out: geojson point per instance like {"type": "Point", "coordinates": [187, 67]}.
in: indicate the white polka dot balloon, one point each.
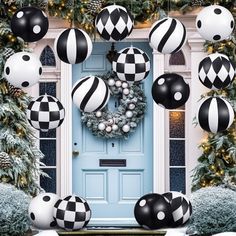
{"type": "Point", "coordinates": [215, 23]}
{"type": "Point", "coordinates": [41, 210]}
{"type": "Point", "coordinates": [30, 24]}
{"type": "Point", "coordinates": [170, 91]}
{"type": "Point", "coordinates": [23, 69]}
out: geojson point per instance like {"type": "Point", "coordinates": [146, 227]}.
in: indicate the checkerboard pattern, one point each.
{"type": "Point", "coordinates": [72, 213]}
{"type": "Point", "coordinates": [131, 64]}
{"type": "Point", "coordinates": [216, 71]}
{"type": "Point", "coordinates": [114, 23]}
{"type": "Point", "coordinates": [46, 112]}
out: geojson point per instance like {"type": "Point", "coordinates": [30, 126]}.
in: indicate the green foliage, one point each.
{"type": "Point", "coordinates": [13, 211]}
{"type": "Point", "coordinates": [214, 211]}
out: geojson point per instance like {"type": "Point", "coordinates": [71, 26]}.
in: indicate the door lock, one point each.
{"type": "Point", "coordinates": [75, 152]}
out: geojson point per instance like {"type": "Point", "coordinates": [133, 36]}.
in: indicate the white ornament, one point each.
{"type": "Point", "coordinates": [98, 114]}
{"type": "Point", "coordinates": [124, 85]}
{"type": "Point", "coordinates": [131, 106]}
{"type": "Point", "coordinates": [111, 82]}
{"type": "Point", "coordinates": [126, 128]}
{"type": "Point", "coordinates": [118, 83]}
{"type": "Point", "coordinates": [23, 69]}
{"type": "Point", "coordinates": [110, 121]}
{"type": "Point", "coordinates": [41, 210]}
{"type": "Point", "coordinates": [108, 129]}
{"type": "Point", "coordinates": [126, 91]}
{"type": "Point", "coordinates": [115, 127]}
{"type": "Point", "coordinates": [215, 23]}
{"type": "Point", "coordinates": [101, 126]}
{"type": "Point", "coordinates": [129, 114]}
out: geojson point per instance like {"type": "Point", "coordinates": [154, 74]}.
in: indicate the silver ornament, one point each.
{"type": "Point", "coordinates": [98, 114]}
{"type": "Point", "coordinates": [111, 82]}
{"type": "Point", "coordinates": [101, 126]}
{"type": "Point", "coordinates": [129, 114]}
{"type": "Point", "coordinates": [126, 128]}
{"type": "Point", "coordinates": [126, 91]}
{"type": "Point", "coordinates": [131, 106]}
{"type": "Point", "coordinates": [115, 127]}
{"type": "Point", "coordinates": [108, 129]}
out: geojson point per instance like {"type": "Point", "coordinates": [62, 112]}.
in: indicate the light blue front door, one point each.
{"type": "Point", "coordinates": [112, 191]}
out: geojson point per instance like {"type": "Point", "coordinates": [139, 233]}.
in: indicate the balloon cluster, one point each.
{"type": "Point", "coordinates": [155, 211]}
{"type": "Point", "coordinates": [47, 210]}
{"type": "Point", "coordinates": [215, 71]}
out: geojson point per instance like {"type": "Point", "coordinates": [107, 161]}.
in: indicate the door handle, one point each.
{"type": "Point", "coordinates": [75, 152]}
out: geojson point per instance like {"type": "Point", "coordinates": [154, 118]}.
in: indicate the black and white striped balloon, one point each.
{"type": "Point", "coordinates": [90, 94]}
{"type": "Point", "coordinates": [167, 35]}
{"type": "Point", "coordinates": [73, 46]}
{"type": "Point", "coordinates": [215, 114]}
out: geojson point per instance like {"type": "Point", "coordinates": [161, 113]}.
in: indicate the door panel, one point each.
{"type": "Point", "coordinates": [112, 191]}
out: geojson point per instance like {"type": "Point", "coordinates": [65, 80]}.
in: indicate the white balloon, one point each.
{"type": "Point", "coordinates": [215, 23]}
{"type": "Point", "coordinates": [23, 69]}
{"type": "Point", "coordinates": [47, 233]}
{"type": "Point", "coordinates": [41, 210]}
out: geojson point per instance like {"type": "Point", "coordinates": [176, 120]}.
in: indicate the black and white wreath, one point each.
{"type": "Point", "coordinates": [123, 121]}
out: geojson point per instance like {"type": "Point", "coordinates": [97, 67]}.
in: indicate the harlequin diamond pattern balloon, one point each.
{"type": "Point", "coordinates": [167, 35]}
{"type": "Point", "coordinates": [114, 23]}
{"type": "Point", "coordinates": [181, 207]}
{"type": "Point", "coordinates": [215, 115]}
{"type": "Point", "coordinates": [216, 71]}
{"type": "Point", "coordinates": [46, 112]}
{"type": "Point", "coordinates": [131, 64]}
{"type": "Point", "coordinates": [215, 23]}
{"type": "Point", "coordinates": [72, 213]}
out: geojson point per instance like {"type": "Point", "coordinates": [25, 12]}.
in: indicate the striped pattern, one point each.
{"type": "Point", "coordinates": [114, 23]}
{"type": "Point", "coordinates": [181, 207]}
{"type": "Point", "coordinates": [90, 94]}
{"type": "Point", "coordinates": [73, 46]}
{"type": "Point", "coordinates": [167, 35]}
{"type": "Point", "coordinates": [215, 115]}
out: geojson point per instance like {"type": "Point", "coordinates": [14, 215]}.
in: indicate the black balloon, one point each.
{"type": "Point", "coordinates": [152, 211]}
{"type": "Point", "coordinates": [30, 24]}
{"type": "Point", "coordinates": [170, 90]}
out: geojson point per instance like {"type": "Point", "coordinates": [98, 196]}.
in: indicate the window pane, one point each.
{"type": "Point", "coordinates": [177, 179]}
{"type": "Point", "coordinates": [177, 124]}
{"type": "Point", "coordinates": [177, 59]}
{"type": "Point", "coordinates": [49, 88]}
{"type": "Point", "coordinates": [49, 134]}
{"type": "Point", "coordinates": [49, 184]}
{"type": "Point", "coordinates": [47, 57]}
{"type": "Point", "coordinates": [48, 148]}
{"type": "Point", "coordinates": [177, 153]}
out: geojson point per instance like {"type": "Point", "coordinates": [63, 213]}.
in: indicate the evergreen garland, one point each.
{"type": "Point", "coordinates": [114, 123]}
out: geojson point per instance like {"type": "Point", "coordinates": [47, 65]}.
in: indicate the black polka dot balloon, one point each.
{"type": "Point", "coordinates": [45, 113]}
{"type": "Point", "coordinates": [73, 46]}
{"type": "Point", "coordinates": [41, 210]}
{"type": "Point", "coordinates": [23, 69]}
{"type": "Point", "coordinates": [152, 211]}
{"type": "Point", "coordinates": [215, 114]}
{"type": "Point", "coordinates": [114, 23]}
{"type": "Point", "coordinates": [30, 24]}
{"type": "Point", "coordinates": [72, 213]}
{"type": "Point", "coordinates": [170, 91]}
{"type": "Point", "coordinates": [167, 35]}
{"type": "Point", "coordinates": [215, 23]}
{"type": "Point", "coordinates": [180, 206]}
{"type": "Point", "coordinates": [216, 71]}
{"type": "Point", "coordinates": [90, 94]}
{"type": "Point", "coordinates": [131, 64]}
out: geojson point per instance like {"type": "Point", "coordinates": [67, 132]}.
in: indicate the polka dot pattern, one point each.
{"type": "Point", "coordinates": [142, 203]}
{"type": "Point", "coordinates": [46, 198]}
{"type": "Point", "coordinates": [161, 215]}
{"type": "Point", "coordinates": [36, 29]}
{"type": "Point", "coordinates": [19, 14]}
{"type": "Point", "coordinates": [178, 96]}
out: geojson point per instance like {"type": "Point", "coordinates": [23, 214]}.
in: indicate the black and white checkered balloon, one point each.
{"type": "Point", "coordinates": [215, 114]}
{"type": "Point", "coordinates": [114, 23]}
{"type": "Point", "coordinates": [72, 213]}
{"type": "Point", "coordinates": [73, 46]}
{"type": "Point", "coordinates": [45, 113]}
{"type": "Point", "coordinates": [181, 207]}
{"type": "Point", "coordinates": [131, 64]}
{"type": "Point", "coordinates": [90, 94]}
{"type": "Point", "coordinates": [167, 35]}
{"type": "Point", "coordinates": [216, 71]}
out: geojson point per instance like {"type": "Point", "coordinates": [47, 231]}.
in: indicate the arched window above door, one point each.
{"type": "Point", "coordinates": [47, 57]}
{"type": "Point", "coordinates": [177, 59]}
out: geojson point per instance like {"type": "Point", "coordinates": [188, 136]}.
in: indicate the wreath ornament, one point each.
{"type": "Point", "coordinates": [123, 121]}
